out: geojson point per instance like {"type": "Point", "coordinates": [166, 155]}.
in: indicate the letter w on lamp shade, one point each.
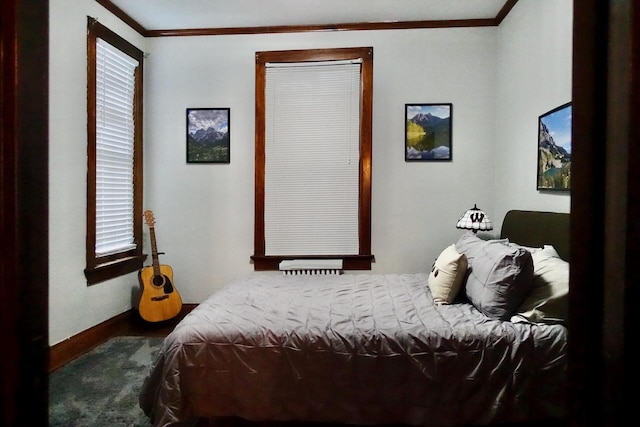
{"type": "Point", "coordinates": [475, 219]}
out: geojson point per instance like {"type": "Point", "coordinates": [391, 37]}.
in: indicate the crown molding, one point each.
{"type": "Point", "coordinates": [358, 26]}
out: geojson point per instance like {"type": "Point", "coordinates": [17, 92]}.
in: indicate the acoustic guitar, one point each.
{"type": "Point", "coordinates": [159, 300]}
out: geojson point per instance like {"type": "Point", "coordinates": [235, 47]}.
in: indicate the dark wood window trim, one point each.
{"type": "Point", "coordinates": [101, 268]}
{"type": "Point", "coordinates": [361, 261]}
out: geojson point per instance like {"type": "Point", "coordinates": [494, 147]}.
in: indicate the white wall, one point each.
{"type": "Point", "coordinates": [74, 306]}
{"type": "Point", "coordinates": [534, 75]}
{"type": "Point", "coordinates": [204, 212]}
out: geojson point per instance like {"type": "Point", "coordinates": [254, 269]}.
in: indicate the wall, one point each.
{"type": "Point", "coordinates": [534, 76]}
{"type": "Point", "coordinates": [74, 306]}
{"type": "Point", "coordinates": [204, 212]}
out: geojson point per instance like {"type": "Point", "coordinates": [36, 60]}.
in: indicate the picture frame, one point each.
{"type": "Point", "coordinates": [427, 132]}
{"type": "Point", "coordinates": [208, 135]}
{"type": "Point", "coordinates": [554, 149]}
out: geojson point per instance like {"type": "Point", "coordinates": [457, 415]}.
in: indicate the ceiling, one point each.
{"type": "Point", "coordinates": [160, 15]}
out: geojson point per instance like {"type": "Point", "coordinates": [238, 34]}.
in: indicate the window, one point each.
{"type": "Point", "coordinates": [114, 171]}
{"type": "Point", "coordinates": [313, 157]}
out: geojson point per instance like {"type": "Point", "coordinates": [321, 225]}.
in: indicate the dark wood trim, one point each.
{"type": "Point", "coordinates": [107, 4]}
{"type": "Point", "coordinates": [127, 323]}
{"type": "Point", "coordinates": [504, 11]}
{"type": "Point", "coordinates": [621, 210]}
{"type": "Point", "coordinates": [259, 248]}
{"type": "Point", "coordinates": [310, 55]}
{"type": "Point", "coordinates": [349, 262]}
{"type": "Point", "coordinates": [589, 94]}
{"type": "Point", "coordinates": [24, 224]}
{"type": "Point", "coordinates": [357, 26]}
{"type": "Point", "coordinates": [629, 369]}
{"type": "Point", "coordinates": [109, 270]}
{"type": "Point", "coordinates": [361, 261]}
{"type": "Point", "coordinates": [349, 26]}
{"type": "Point", "coordinates": [90, 238]}
{"type": "Point", "coordinates": [67, 350]}
{"type": "Point", "coordinates": [366, 150]}
{"type": "Point", "coordinates": [605, 205]}
{"type": "Point", "coordinates": [101, 268]}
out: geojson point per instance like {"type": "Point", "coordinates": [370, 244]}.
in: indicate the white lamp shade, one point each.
{"type": "Point", "coordinates": [475, 219]}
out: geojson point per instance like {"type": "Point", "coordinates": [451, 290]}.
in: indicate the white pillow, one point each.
{"type": "Point", "coordinates": [447, 275]}
{"type": "Point", "coordinates": [531, 249]}
{"type": "Point", "coordinates": [548, 300]}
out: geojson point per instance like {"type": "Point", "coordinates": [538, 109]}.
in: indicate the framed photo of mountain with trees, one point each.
{"type": "Point", "coordinates": [427, 134]}
{"type": "Point", "coordinates": [208, 135]}
{"type": "Point", "coordinates": [554, 149]}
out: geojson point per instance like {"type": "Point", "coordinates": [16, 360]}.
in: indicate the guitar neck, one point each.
{"type": "Point", "coordinates": [154, 252]}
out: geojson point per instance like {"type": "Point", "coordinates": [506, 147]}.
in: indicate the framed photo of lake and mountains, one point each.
{"type": "Point", "coordinates": [427, 134]}
{"type": "Point", "coordinates": [208, 135]}
{"type": "Point", "coordinates": [554, 149]}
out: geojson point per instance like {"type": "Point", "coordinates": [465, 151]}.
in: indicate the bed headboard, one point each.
{"type": "Point", "coordinates": [533, 228]}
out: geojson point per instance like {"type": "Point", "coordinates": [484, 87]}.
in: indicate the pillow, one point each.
{"type": "Point", "coordinates": [500, 275]}
{"type": "Point", "coordinates": [531, 249]}
{"type": "Point", "coordinates": [548, 300]}
{"type": "Point", "coordinates": [447, 275]}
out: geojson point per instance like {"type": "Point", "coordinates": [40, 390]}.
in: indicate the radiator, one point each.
{"type": "Point", "coordinates": [311, 266]}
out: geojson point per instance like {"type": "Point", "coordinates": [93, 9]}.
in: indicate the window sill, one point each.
{"type": "Point", "coordinates": [349, 262]}
{"type": "Point", "coordinates": [113, 269]}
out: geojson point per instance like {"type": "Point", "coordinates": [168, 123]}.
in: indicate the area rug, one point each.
{"type": "Point", "coordinates": [101, 387]}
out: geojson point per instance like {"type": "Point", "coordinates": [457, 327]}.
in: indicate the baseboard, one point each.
{"type": "Point", "coordinates": [77, 345]}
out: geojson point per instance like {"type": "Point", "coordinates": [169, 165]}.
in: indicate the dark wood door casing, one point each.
{"type": "Point", "coordinates": [24, 90]}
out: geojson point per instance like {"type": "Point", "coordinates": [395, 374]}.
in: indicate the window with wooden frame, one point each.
{"type": "Point", "coordinates": [313, 157]}
{"type": "Point", "coordinates": [114, 170]}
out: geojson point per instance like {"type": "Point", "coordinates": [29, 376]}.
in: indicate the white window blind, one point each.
{"type": "Point", "coordinates": [312, 158]}
{"type": "Point", "coordinates": [115, 84]}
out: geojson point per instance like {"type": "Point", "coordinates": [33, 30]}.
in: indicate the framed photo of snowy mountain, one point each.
{"type": "Point", "coordinates": [208, 135]}
{"type": "Point", "coordinates": [427, 132]}
{"type": "Point", "coordinates": [554, 149]}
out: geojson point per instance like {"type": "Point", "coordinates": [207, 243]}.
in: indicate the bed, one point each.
{"type": "Point", "coordinates": [372, 349]}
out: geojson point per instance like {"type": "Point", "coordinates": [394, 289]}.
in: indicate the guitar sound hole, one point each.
{"type": "Point", "coordinates": [158, 280]}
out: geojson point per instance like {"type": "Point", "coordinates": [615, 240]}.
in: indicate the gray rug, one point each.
{"type": "Point", "coordinates": [101, 387]}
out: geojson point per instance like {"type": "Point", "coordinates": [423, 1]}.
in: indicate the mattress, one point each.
{"type": "Point", "coordinates": [354, 348]}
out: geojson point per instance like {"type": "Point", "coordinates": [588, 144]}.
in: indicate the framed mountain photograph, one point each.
{"type": "Point", "coordinates": [427, 135]}
{"type": "Point", "coordinates": [208, 135]}
{"type": "Point", "coordinates": [554, 149]}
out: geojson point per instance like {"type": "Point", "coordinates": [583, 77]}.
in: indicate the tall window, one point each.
{"type": "Point", "coordinates": [114, 173]}
{"type": "Point", "coordinates": [313, 156]}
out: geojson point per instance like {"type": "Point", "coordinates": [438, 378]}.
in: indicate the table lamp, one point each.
{"type": "Point", "coordinates": [475, 219]}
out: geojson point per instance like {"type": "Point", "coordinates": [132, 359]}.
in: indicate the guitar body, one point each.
{"type": "Point", "coordinates": [160, 300]}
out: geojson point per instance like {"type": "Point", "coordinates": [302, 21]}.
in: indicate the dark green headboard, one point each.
{"type": "Point", "coordinates": [533, 228]}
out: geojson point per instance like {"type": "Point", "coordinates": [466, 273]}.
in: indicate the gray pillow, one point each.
{"type": "Point", "coordinates": [500, 275]}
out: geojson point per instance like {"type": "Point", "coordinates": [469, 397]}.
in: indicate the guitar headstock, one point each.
{"type": "Point", "coordinates": [148, 218]}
